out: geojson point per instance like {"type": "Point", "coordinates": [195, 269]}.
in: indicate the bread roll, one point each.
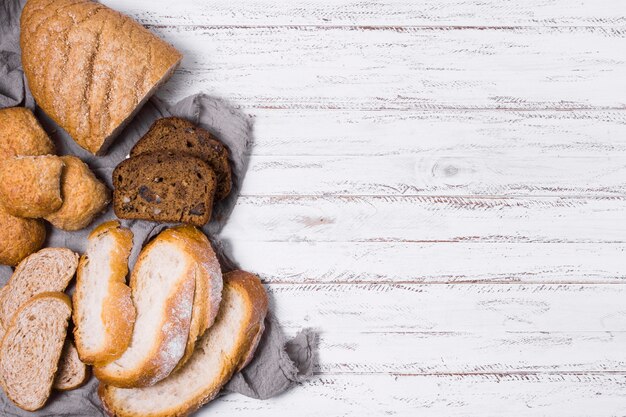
{"type": "Point", "coordinates": [90, 68]}
{"type": "Point", "coordinates": [21, 134]}
{"type": "Point", "coordinates": [30, 186]}
{"type": "Point", "coordinates": [19, 237]}
{"type": "Point", "coordinates": [84, 196]}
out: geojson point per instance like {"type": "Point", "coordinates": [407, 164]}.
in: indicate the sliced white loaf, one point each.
{"type": "Point", "coordinates": [225, 348]}
{"type": "Point", "coordinates": [31, 348]}
{"type": "Point", "coordinates": [50, 269]}
{"type": "Point", "coordinates": [72, 372]}
{"type": "Point", "coordinates": [163, 284]}
{"type": "Point", "coordinates": [104, 314]}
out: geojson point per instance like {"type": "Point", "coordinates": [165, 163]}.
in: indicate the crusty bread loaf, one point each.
{"type": "Point", "coordinates": [84, 196]}
{"type": "Point", "coordinates": [176, 135]}
{"type": "Point", "coordinates": [209, 282]}
{"type": "Point", "coordinates": [163, 284]}
{"type": "Point", "coordinates": [71, 372]}
{"type": "Point", "coordinates": [164, 188]}
{"type": "Point", "coordinates": [19, 237]}
{"type": "Point", "coordinates": [48, 270]}
{"type": "Point", "coordinates": [31, 348]}
{"type": "Point", "coordinates": [30, 186]}
{"type": "Point", "coordinates": [104, 314]}
{"type": "Point", "coordinates": [21, 134]}
{"type": "Point", "coordinates": [90, 68]}
{"type": "Point", "coordinates": [224, 349]}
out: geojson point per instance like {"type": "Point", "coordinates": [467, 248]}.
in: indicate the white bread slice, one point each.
{"type": "Point", "coordinates": [31, 348]}
{"type": "Point", "coordinates": [163, 284]}
{"type": "Point", "coordinates": [104, 314]}
{"type": "Point", "coordinates": [48, 270]}
{"type": "Point", "coordinates": [72, 372]}
{"type": "Point", "coordinates": [225, 348]}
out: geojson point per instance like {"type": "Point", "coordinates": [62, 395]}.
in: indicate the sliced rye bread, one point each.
{"type": "Point", "coordinates": [163, 284]}
{"type": "Point", "coordinates": [72, 372]}
{"type": "Point", "coordinates": [176, 135]}
{"type": "Point", "coordinates": [31, 348]}
{"type": "Point", "coordinates": [104, 314]}
{"type": "Point", "coordinates": [164, 188]}
{"type": "Point", "coordinates": [49, 270]}
{"type": "Point", "coordinates": [225, 348]}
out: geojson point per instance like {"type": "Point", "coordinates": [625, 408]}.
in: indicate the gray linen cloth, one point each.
{"type": "Point", "coordinates": [278, 363]}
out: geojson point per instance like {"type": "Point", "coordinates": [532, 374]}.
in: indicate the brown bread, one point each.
{"type": "Point", "coordinates": [21, 134]}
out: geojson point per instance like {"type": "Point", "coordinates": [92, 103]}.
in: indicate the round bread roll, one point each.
{"type": "Point", "coordinates": [30, 186]}
{"type": "Point", "coordinates": [84, 196]}
{"type": "Point", "coordinates": [19, 237]}
{"type": "Point", "coordinates": [21, 134]}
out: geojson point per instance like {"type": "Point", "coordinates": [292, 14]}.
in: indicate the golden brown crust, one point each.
{"type": "Point", "coordinates": [22, 135]}
{"type": "Point", "coordinates": [19, 237]}
{"type": "Point", "coordinates": [89, 67]}
{"type": "Point", "coordinates": [118, 313]}
{"type": "Point", "coordinates": [84, 196]}
{"type": "Point", "coordinates": [30, 186]}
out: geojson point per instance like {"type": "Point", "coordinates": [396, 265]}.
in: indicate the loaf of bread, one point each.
{"type": "Point", "coordinates": [84, 196]}
{"type": "Point", "coordinates": [49, 270]}
{"type": "Point", "coordinates": [164, 188]}
{"type": "Point", "coordinates": [163, 284]}
{"type": "Point", "coordinates": [21, 134]}
{"type": "Point", "coordinates": [176, 135]}
{"type": "Point", "coordinates": [90, 68]}
{"type": "Point", "coordinates": [71, 372]}
{"type": "Point", "coordinates": [31, 348]}
{"type": "Point", "coordinates": [104, 314]}
{"type": "Point", "coordinates": [224, 349]}
{"type": "Point", "coordinates": [30, 186]}
{"type": "Point", "coordinates": [19, 237]}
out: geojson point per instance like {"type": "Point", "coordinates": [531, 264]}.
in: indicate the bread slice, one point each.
{"type": "Point", "coordinates": [48, 270]}
{"type": "Point", "coordinates": [31, 348]}
{"type": "Point", "coordinates": [84, 196]}
{"type": "Point", "coordinates": [104, 314]}
{"type": "Point", "coordinates": [30, 186]}
{"type": "Point", "coordinates": [72, 372]}
{"type": "Point", "coordinates": [90, 68]}
{"type": "Point", "coordinates": [176, 135]}
{"type": "Point", "coordinates": [164, 188]}
{"type": "Point", "coordinates": [19, 237]}
{"type": "Point", "coordinates": [163, 284]}
{"type": "Point", "coordinates": [21, 134]}
{"type": "Point", "coordinates": [225, 348]}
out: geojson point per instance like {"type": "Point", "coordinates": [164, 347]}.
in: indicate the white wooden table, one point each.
{"type": "Point", "coordinates": [437, 186]}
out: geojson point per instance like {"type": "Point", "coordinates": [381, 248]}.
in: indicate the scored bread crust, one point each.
{"type": "Point", "coordinates": [117, 310]}
{"type": "Point", "coordinates": [89, 67]}
{"type": "Point", "coordinates": [209, 282]}
{"type": "Point", "coordinates": [186, 402]}
{"type": "Point", "coordinates": [21, 134]}
{"type": "Point", "coordinates": [72, 372]}
{"type": "Point", "coordinates": [169, 344]}
{"type": "Point", "coordinates": [6, 379]}
{"type": "Point", "coordinates": [22, 286]}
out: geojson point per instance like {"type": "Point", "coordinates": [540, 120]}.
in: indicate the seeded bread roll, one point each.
{"type": "Point", "coordinates": [164, 188]}
{"type": "Point", "coordinates": [21, 134]}
{"type": "Point", "coordinates": [176, 135]}
{"type": "Point", "coordinates": [84, 196]}
{"type": "Point", "coordinates": [90, 68]}
{"type": "Point", "coordinates": [30, 186]}
{"type": "Point", "coordinates": [19, 237]}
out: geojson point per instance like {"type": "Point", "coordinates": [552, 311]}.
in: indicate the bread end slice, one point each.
{"type": "Point", "coordinates": [225, 348]}
{"type": "Point", "coordinates": [31, 348]}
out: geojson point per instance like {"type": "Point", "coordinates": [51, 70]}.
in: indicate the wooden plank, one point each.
{"type": "Point", "coordinates": [401, 68]}
{"type": "Point", "coordinates": [576, 395]}
{"type": "Point", "coordinates": [443, 262]}
{"type": "Point", "coordinates": [377, 13]}
{"type": "Point", "coordinates": [427, 219]}
{"type": "Point", "coordinates": [468, 308]}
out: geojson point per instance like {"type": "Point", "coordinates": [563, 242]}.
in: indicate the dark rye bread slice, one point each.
{"type": "Point", "coordinates": [164, 188]}
{"type": "Point", "coordinates": [172, 134]}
